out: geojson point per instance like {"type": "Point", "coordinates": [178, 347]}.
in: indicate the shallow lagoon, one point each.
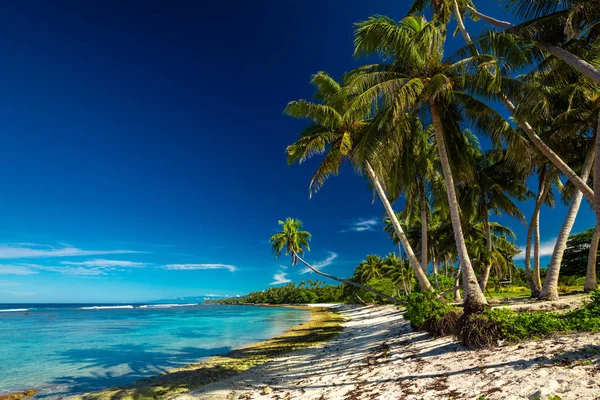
{"type": "Point", "coordinates": [68, 349]}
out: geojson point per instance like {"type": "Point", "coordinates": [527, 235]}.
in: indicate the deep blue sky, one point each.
{"type": "Point", "coordinates": [142, 147]}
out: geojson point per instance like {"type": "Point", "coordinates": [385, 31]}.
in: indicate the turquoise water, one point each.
{"type": "Point", "coordinates": [69, 349]}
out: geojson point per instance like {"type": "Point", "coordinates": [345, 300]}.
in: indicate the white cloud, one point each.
{"type": "Point", "coordinates": [321, 264]}
{"type": "Point", "coordinates": [12, 293]}
{"type": "Point", "coordinates": [100, 263]}
{"type": "Point", "coordinates": [4, 283]}
{"type": "Point", "coordinates": [279, 278]}
{"type": "Point", "coordinates": [362, 225]}
{"type": "Point", "coordinates": [193, 267]}
{"type": "Point", "coordinates": [7, 269]}
{"type": "Point", "coordinates": [29, 250]}
{"type": "Point", "coordinates": [546, 249]}
{"type": "Point", "coordinates": [79, 271]}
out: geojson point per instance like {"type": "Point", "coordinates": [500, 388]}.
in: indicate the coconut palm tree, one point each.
{"type": "Point", "coordinates": [370, 268]}
{"type": "Point", "coordinates": [551, 24]}
{"type": "Point", "coordinates": [336, 130]}
{"type": "Point", "coordinates": [410, 172]}
{"type": "Point", "coordinates": [294, 241]}
{"type": "Point", "coordinates": [497, 182]}
{"type": "Point", "coordinates": [399, 271]}
{"type": "Point", "coordinates": [506, 47]}
{"type": "Point", "coordinates": [550, 288]}
{"type": "Point", "coordinates": [548, 178]}
{"type": "Point", "coordinates": [417, 79]}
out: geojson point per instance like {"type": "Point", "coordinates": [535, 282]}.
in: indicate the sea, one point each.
{"type": "Point", "coordinates": [67, 349]}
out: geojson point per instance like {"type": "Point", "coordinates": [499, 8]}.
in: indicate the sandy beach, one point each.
{"type": "Point", "coordinates": [378, 356]}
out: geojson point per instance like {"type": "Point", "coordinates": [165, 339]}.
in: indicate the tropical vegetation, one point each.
{"type": "Point", "coordinates": [413, 121]}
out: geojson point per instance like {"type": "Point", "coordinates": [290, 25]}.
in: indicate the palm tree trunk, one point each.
{"type": "Point", "coordinates": [597, 174]}
{"type": "Point", "coordinates": [421, 276]}
{"type": "Point", "coordinates": [550, 288]}
{"type": "Point", "coordinates": [402, 270]}
{"type": "Point", "coordinates": [591, 282]}
{"type": "Point", "coordinates": [457, 297]}
{"type": "Point", "coordinates": [527, 128]}
{"type": "Point", "coordinates": [569, 58]}
{"type": "Point", "coordinates": [435, 275]}
{"type": "Point", "coordinates": [537, 280]}
{"type": "Point", "coordinates": [534, 278]}
{"type": "Point", "coordinates": [488, 239]}
{"type": "Point", "coordinates": [474, 299]}
{"type": "Point", "coordinates": [358, 285]}
{"type": "Point", "coordinates": [424, 249]}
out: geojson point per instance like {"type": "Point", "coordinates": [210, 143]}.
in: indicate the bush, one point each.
{"type": "Point", "coordinates": [429, 314]}
{"type": "Point", "coordinates": [486, 329]}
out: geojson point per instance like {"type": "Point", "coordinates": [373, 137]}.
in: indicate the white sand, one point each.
{"type": "Point", "coordinates": [377, 356]}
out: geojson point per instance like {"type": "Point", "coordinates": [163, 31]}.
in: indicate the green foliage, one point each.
{"type": "Point", "coordinates": [430, 314]}
{"type": "Point", "coordinates": [500, 324]}
{"type": "Point", "coordinates": [309, 292]}
{"type": "Point", "coordinates": [574, 262]}
{"type": "Point", "coordinates": [292, 239]}
{"type": "Point", "coordinates": [384, 285]}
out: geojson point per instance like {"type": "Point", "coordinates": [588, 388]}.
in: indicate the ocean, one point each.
{"type": "Point", "coordinates": [65, 349]}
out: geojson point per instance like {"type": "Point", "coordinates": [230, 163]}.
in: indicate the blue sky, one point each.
{"type": "Point", "coordinates": [143, 147]}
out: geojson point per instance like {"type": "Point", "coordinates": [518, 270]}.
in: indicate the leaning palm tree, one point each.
{"type": "Point", "coordinates": [335, 130]}
{"type": "Point", "coordinates": [418, 80]}
{"type": "Point", "coordinates": [550, 288]}
{"type": "Point", "coordinates": [294, 241]}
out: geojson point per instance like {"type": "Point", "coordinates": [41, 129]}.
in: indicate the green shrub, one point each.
{"type": "Point", "coordinates": [426, 313]}
{"type": "Point", "coordinates": [487, 328]}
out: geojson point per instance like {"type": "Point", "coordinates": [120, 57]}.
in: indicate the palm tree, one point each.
{"type": "Point", "coordinates": [548, 25]}
{"type": "Point", "coordinates": [547, 179]}
{"type": "Point", "coordinates": [399, 271]}
{"type": "Point", "coordinates": [496, 182]}
{"type": "Point", "coordinates": [550, 288]}
{"type": "Point", "coordinates": [335, 130]}
{"type": "Point", "coordinates": [441, 12]}
{"type": "Point", "coordinates": [370, 268]}
{"type": "Point", "coordinates": [294, 241]}
{"type": "Point", "coordinates": [418, 80]}
{"type": "Point", "coordinates": [411, 172]}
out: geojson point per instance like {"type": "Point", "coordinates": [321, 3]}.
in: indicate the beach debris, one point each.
{"type": "Point", "coordinates": [267, 390]}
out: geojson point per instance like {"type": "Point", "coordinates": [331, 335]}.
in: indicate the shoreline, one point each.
{"type": "Point", "coordinates": [379, 356]}
{"type": "Point", "coordinates": [323, 325]}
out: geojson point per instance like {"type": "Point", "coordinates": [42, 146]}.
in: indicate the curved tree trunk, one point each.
{"type": "Point", "coordinates": [550, 288]}
{"type": "Point", "coordinates": [527, 128]}
{"type": "Point", "coordinates": [488, 239]}
{"type": "Point", "coordinates": [421, 276]}
{"type": "Point", "coordinates": [358, 285]}
{"type": "Point", "coordinates": [435, 275]}
{"type": "Point", "coordinates": [591, 282]}
{"type": "Point", "coordinates": [597, 175]}
{"type": "Point", "coordinates": [537, 280]}
{"type": "Point", "coordinates": [457, 297]}
{"type": "Point", "coordinates": [474, 299]}
{"type": "Point", "coordinates": [569, 58]}
{"type": "Point", "coordinates": [424, 249]}
{"type": "Point", "coordinates": [534, 278]}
